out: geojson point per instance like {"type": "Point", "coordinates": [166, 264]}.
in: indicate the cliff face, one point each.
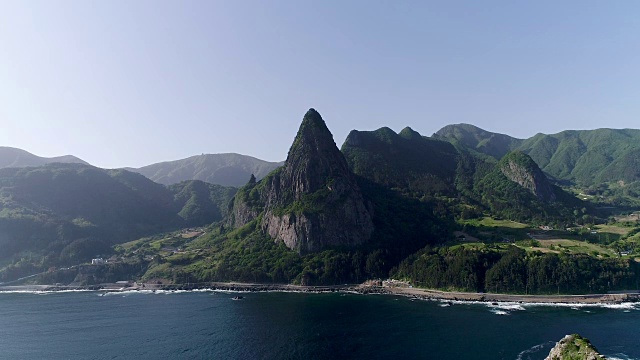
{"type": "Point", "coordinates": [313, 201]}
{"type": "Point", "coordinates": [521, 169]}
{"type": "Point", "coordinates": [574, 347]}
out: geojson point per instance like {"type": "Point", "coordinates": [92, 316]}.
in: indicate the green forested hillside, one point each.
{"type": "Point", "coordinates": [406, 161]}
{"type": "Point", "coordinates": [584, 157]}
{"type": "Point", "coordinates": [478, 140]}
{"type": "Point", "coordinates": [64, 213]}
{"type": "Point", "coordinates": [517, 190]}
{"type": "Point", "coordinates": [458, 182]}
{"type": "Point", "coordinates": [388, 204]}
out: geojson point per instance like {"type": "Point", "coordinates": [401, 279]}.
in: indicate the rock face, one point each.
{"type": "Point", "coordinates": [313, 201]}
{"type": "Point", "coordinates": [521, 169]}
{"type": "Point", "coordinates": [574, 347]}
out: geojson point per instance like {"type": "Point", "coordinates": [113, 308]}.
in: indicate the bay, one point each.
{"type": "Point", "coordinates": [210, 325]}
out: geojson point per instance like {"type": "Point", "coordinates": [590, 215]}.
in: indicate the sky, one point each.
{"type": "Point", "coordinates": [130, 83]}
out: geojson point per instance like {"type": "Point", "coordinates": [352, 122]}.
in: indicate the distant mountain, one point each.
{"type": "Point", "coordinates": [221, 169]}
{"type": "Point", "coordinates": [585, 157]}
{"type": "Point", "coordinates": [478, 140]}
{"type": "Point", "coordinates": [13, 157]}
{"type": "Point", "coordinates": [64, 213]}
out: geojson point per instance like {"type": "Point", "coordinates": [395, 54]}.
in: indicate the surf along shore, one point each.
{"type": "Point", "coordinates": [369, 287]}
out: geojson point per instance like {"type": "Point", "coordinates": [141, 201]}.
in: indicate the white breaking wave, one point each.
{"type": "Point", "coordinates": [500, 312]}
{"type": "Point", "coordinates": [521, 306]}
{"type": "Point", "coordinates": [620, 356]}
{"type": "Point", "coordinates": [534, 349]}
{"type": "Point", "coordinates": [42, 292]}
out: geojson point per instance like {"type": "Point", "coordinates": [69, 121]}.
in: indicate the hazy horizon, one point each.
{"type": "Point", "coordinates": [130, 84]}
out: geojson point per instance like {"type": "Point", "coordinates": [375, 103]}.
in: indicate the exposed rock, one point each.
{"type": "Point", "coordinates": [313, 201]}
{"type": "Point", "coordinates": [521, 169]}
{"type": "Point", "coordinates": [574, 347]}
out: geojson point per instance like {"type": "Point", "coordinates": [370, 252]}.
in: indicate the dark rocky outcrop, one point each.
{"type": "Point", "coordinates": [574, 347]}
{"type": "Point", "coordinates": [313, 201]}
{"type": "Point", "coordinates": [406, 160]}
{"type": "Point", "coordinates": [521, 169]}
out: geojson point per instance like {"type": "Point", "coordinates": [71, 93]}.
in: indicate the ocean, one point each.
{"type": "Point", "coordinates": [210, 325]}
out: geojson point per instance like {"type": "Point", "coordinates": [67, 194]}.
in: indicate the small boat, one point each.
{"type": "Point", "coordinates": [237, 298]}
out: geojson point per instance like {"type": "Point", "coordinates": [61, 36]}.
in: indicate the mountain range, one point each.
{"type": "Point", "coordinates": [12, 157]}
{"type": "Point", "coordinates": [582, 157]}
{"type": "Point", "coordinates": [222, 169]}
{"type": "Point", "coordinates": [325, 215]}
{"type": "Point", "coordinates": [62, 213]}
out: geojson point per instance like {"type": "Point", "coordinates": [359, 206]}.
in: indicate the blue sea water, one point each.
{"type": "Point", "coordinates": [210, 325]}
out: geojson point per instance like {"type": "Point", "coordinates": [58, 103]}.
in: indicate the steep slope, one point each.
{"type": "Point", "coordinates": [521, 169]}
{"type": "Point", "coordinates": [221, 169]}
{"type": "Point", "coordinates": [405, 161]}
{"type": "Point", "coordinates": [12, 157]}
{"type": "Point", "coordinates": [200, 202]}
{"type": "Point", "coordinates": [456, 181]}
{"type": "Point", "coordinates": [311, 203]}
{"type": "Point", "coordinates": [479, 140]}
{"type": "Point", "coordinates": [518, 190]}
{"type": "Point", "coordinates": [61, 213]}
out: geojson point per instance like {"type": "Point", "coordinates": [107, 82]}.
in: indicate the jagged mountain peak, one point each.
{"type": "Point", "coordinates": [313, 201]}
{"type": "Point", "coordinates": [409, 133]}
{"type": "Point", "coordinates": [314, 156]}
{"type": "Point", "coordinates": [313, 135]}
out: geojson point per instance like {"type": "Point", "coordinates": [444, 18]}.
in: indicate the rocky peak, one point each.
{"type": "Point", "coordinates": [521, 169]}
{"type": "Point", "coordinates": [409, 134]}
{"type": "Point", "coordinates": [313, 157]}
{"type": "Point", "coordinates": [313, 201]}
{"type": "Point", "coordinates": [574, 347]}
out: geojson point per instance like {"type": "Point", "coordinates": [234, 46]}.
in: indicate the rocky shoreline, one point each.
{"type": "Point", "coordinates": [382, 288]}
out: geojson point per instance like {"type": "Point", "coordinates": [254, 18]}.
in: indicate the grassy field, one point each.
{"type": "Point", "coordinates": [491, 222]}
{"type": "Point", "coordinates": [489, 230]}
{"type": "Point", "coordinates": [576, 247]}
{"type": "Point", "coordinates": [613, 229]}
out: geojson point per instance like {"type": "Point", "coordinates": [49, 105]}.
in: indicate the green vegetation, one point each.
{"type": "Point", "coordinates": [513, 270]}
{"type": "Point", "coordinates": [470, 214]}
{"type": "Point", "coordinates": [413, 164]}
{"type": "Point", "coordinates": [62, 214]}
{"type": "Point", "coordinates": [574, 347]}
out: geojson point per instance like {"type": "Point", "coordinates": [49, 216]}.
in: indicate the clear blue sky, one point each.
{"type": "Point", "coordinates": [128, 83]}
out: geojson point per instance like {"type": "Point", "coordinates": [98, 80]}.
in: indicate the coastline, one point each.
{"type": "Point", "coordinates": [367, 288]}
